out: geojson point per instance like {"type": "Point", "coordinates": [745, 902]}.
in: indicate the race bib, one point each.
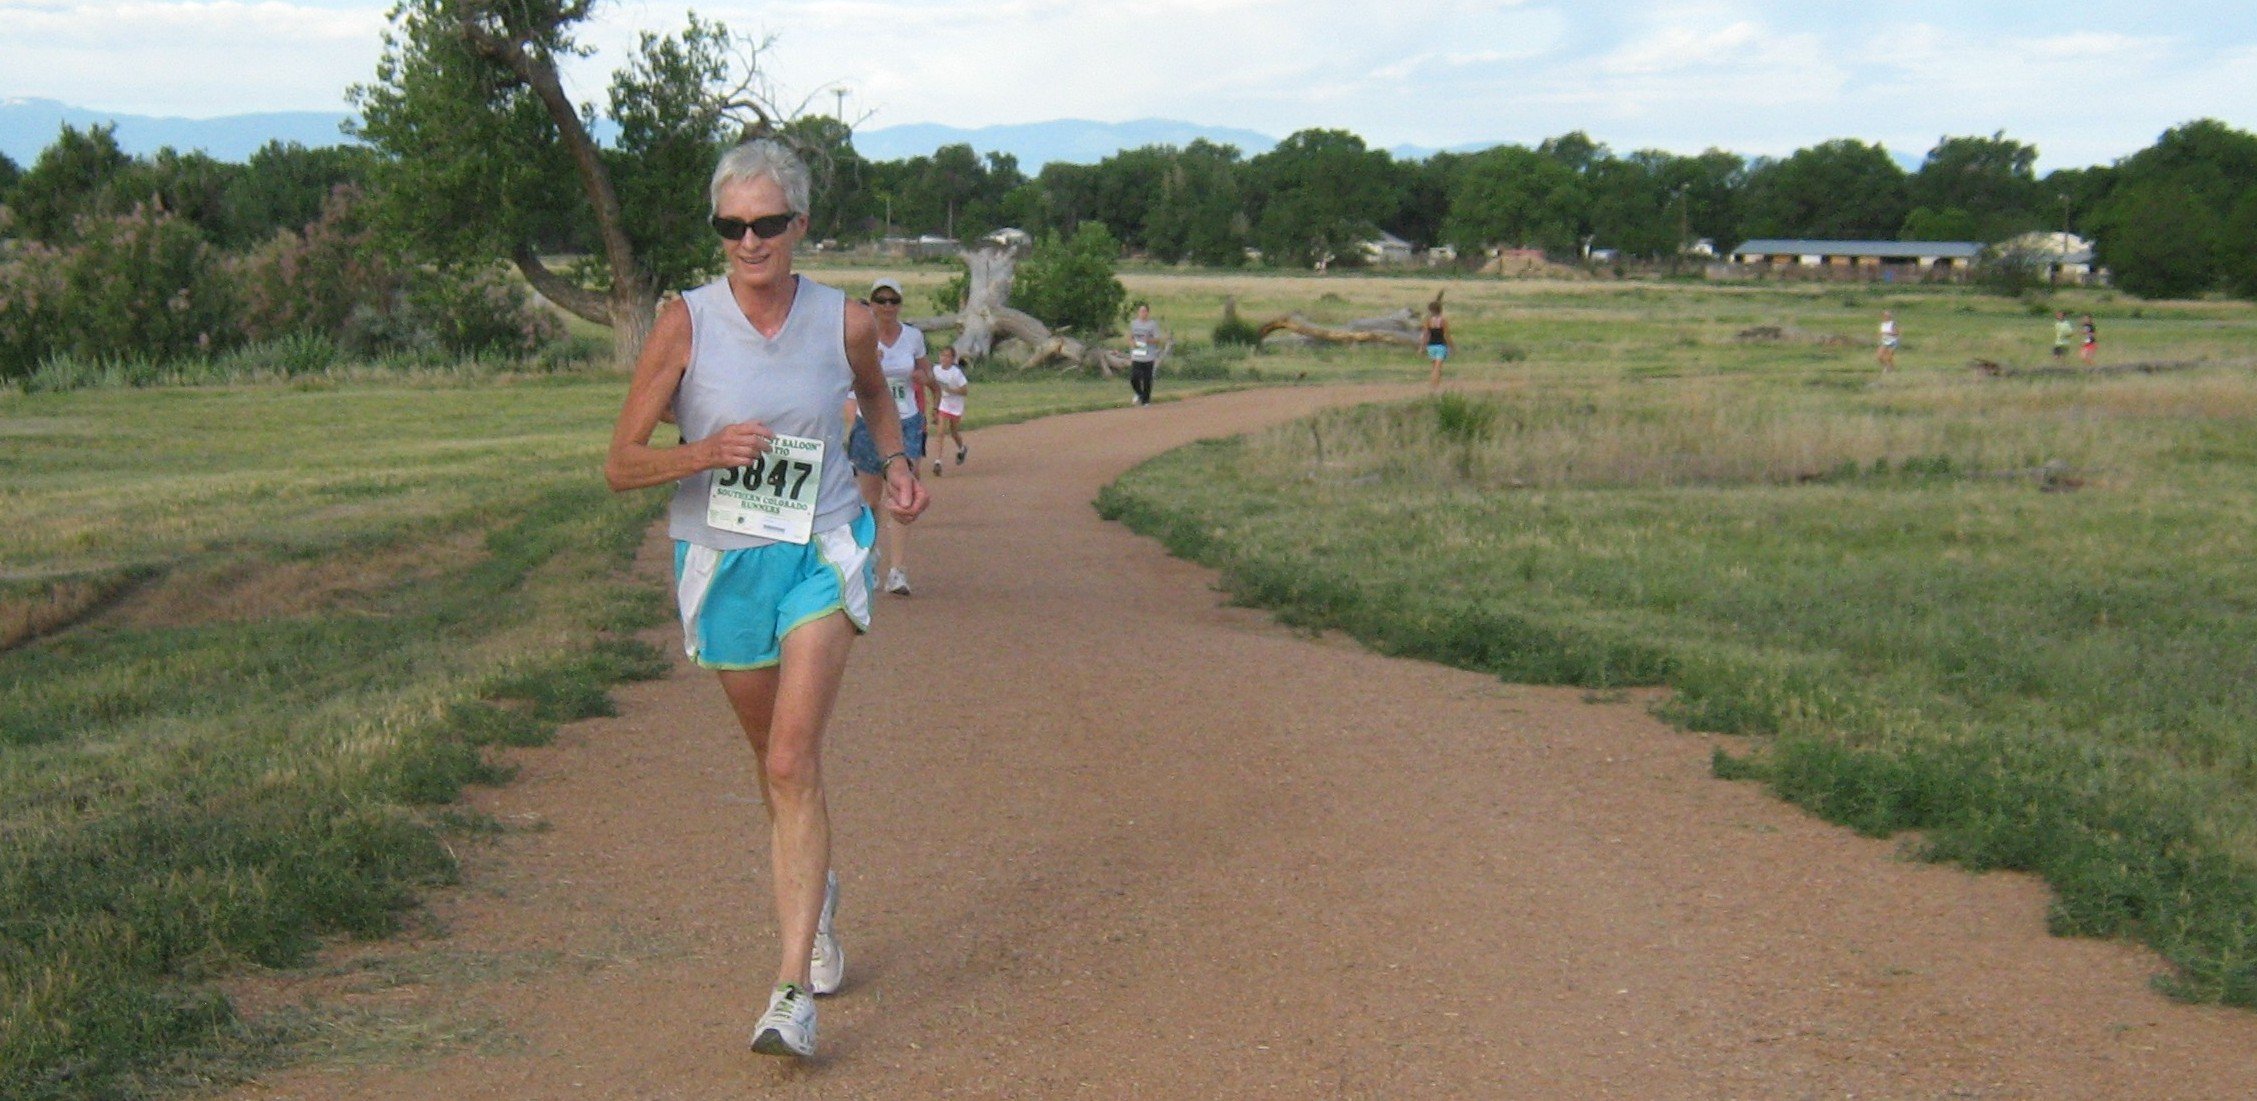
{"type": "Point", "coordinates": [900, 391]}
{"type": "Point", "coordinates": [774, 497]}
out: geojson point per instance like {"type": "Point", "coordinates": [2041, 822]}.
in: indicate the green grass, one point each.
{"type": "Point", "coordinates": [2015, 615]}
{"type": "Point", "coordinates": [257, 638]}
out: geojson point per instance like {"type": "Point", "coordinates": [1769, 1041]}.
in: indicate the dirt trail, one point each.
{"type": "Point", "coordinates": [1101, 837]}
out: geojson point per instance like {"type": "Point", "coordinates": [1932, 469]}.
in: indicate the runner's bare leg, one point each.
{"type": "Point", "coordinates": [784, 710]}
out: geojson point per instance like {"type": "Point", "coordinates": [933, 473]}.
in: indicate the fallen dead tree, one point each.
{"type": "Point", "coordinates": [1370, 330]}
{"type": "Point", "coordinates": [1995, 369]}
{"type": "Point", "coordinates": [988, 320]}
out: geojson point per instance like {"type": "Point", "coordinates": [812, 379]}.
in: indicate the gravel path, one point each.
{"type": "Point", "coordinates": [1102, 837]}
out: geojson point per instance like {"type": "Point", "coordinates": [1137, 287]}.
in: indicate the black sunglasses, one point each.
{"type": "Point", "coordinates": [763, 227]}
{"type": "Point", "coordinates": [884, 300]}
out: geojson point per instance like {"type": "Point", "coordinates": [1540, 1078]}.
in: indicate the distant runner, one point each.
{"type": "Point", "coordinates": [1887, 355]}
{"type": "Point", "coordinates": [901, 356]}
{"type": "Point", "coordinates": [1437, 341]}
{"type": "Point", "coordinates": [2089, 350]}
{"type": "Point", "coordinates": [948, 411]}
{"type": "Point", "coordinates": [2062, 331]}
{"type": "Point", "coordinates": [1144, 353]}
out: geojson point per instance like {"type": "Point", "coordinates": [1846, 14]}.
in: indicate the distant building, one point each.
{"type": "Point", "coordinates": [928, 247]}
{"type": "Point", "coordinates": [1386, 249]}
{"type": "Point", "coordinates": [1864, 261]}
{"type": "Point", "coordinates": [2063, 257]}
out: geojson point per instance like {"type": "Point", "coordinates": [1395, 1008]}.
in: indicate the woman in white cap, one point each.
{"type": "Point", "coordinates": [901, 356]}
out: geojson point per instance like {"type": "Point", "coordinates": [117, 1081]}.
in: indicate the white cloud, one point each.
{"type": "Point", "coordinates": [2090, 82]}
{"type": "Point", "coordinates": [188, 58]}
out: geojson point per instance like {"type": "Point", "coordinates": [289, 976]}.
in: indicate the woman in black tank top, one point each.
{"type": "Point", "coordinates": [1437, 341]}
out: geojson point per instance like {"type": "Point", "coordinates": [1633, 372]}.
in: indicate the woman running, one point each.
{"type": "Point", "coordinates": [901, 357]}
{"type": "Point", "coordinates": [771, 540]}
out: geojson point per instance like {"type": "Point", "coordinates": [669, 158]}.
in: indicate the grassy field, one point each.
{"type": "Point", "coordinates": [2012, 613]}
{"type": "Point", "coordinates": [255, 638]}
{"type": "Point", "coordinates": [253, 642]}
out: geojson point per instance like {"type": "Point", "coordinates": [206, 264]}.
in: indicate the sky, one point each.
{"type": "Point", "coordinates": [2085, 81]}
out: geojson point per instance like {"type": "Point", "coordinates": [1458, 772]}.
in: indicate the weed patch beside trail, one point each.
{"type": "Point", "coordinates": [189, 784]}
{"type": "Point", "coordinates": [1936, 628]}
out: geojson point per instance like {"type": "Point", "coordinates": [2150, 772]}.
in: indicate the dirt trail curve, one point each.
{"type": "Point", "coordinates": [1103, 838]}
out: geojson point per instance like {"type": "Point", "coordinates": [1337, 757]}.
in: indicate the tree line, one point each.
{"type": "Point", "coordinates": [473, 155]}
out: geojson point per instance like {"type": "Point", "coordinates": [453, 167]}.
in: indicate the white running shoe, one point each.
{"type": "Point", "coordinates": [788, 1028]}
{"type": "Point", "coordinates": [897, 582]}
{"type": "Point", "coordinates": [827, 968]}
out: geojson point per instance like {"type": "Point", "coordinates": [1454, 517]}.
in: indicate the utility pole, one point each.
{"type": "Point", "coordinates": [840, 114]}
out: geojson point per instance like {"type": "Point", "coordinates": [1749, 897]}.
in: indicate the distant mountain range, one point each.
{"type": "Point", "coordinates": [28, 126]}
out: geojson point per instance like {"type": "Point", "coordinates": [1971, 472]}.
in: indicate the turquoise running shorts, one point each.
{"type": "Point", "coordinates": [738, 605]}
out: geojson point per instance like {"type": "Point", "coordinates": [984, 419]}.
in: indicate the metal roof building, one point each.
{"type": "Point", "coordinates": [1883, 260]}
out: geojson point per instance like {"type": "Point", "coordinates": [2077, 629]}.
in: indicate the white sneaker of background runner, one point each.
{"type": "Point", "coordinates": [827, 968]}
{"type": "Point", "coordinates": [897, 582]}
{"type": "Point", "coordinates": [788, 1028]}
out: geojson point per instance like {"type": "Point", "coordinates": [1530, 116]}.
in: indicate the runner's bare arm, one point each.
{"type": "Point", "coordinates": [633, 462]}
{"type": "Point", "coordinates": [905, 496]}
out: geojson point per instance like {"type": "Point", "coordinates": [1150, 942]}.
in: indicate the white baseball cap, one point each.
{"type": "Point", "coordinates": [887, 283]}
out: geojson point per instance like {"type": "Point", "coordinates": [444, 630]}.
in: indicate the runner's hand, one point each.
{"type": "Point", "coordinates": [905, 495]}
{"type": "Point", "coordinates": [736, 445]}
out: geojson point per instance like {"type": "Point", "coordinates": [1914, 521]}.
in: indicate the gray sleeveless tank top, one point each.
{"type": "Point", "coordinates": [796, 383]}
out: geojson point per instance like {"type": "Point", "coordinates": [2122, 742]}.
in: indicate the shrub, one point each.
{"type": "Point", "coordinates": [331, 280]}
{"type": "Point", "coordinates": [31, 292]}
{"type": "Point", "coordinates": [143, 284]}
{"type": "Point", "coordinates": [1235, 330]}
{"type": "Point", "coordinates": [1068, 283]}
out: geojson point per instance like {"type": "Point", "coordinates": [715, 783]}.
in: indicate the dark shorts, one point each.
{"type": "Point", "coordinates": [862, 451]}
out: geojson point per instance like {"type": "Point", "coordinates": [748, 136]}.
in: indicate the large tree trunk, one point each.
{"type": "Point", "coordinates": [630, 308]}
{"type": "Point", "coordinates": [991, 265]}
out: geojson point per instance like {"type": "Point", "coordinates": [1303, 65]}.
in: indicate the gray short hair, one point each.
{"type": "Point", "coordinates": [754, 159]}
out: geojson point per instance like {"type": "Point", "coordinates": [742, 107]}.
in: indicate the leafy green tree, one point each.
{"type": "Point", "coordinates": [1515, 197]}
{"type": "Point", "coordinates": [1705, 195]}
{"type": "Point", "coordinates": [1630, 204]}
{"type": "Point", "coordinates": [1948, 224]}
{"type": "Point", "coordinates": [1201, 215]}
{"type": "Point", "coordinates": [484, 154]}
{"type": "Point", "coordinates": [2072, 194]}
{"type": "Point", "coordinates": [192, 185]}
{"type": "Point", "coordinates": [2163, 228]}
{"type": "Point", "coordinates": [1125, 190]}
{"type": "Point", "coordinates": [2238, 246]}
{"type": "Point", "coordinates": [1975, 189]}
{"type": "Point", "coordinates": [1026, 206]}
{"type": "Point", "coordinates": [144, 284]}
{"type": "Point", "coordinates": [10, 172]}
{"type": "Point", "coordinates": [1068, 283]}
{"type": "Point", "coordinates": [71, 178]}
{"type": "Point", "coordinates": [285, 185]}
{"type": "Point", "coordinates": [1070, 194]}
{"type": "Point", "coordinates": [1425, 187]}
{"type": "Point", "coordinates": [1318, 195]}
{"type": "Point", "coordinates": [2159, 244]}
{"type": "Point", "coordinates": [671, 128]}
{"type": "Point", "coordinates": [842, 195]}
{"type": "Point", "coordinates": [1836, 190]}
{"type": "Point", "coordinates": [1574, 150]}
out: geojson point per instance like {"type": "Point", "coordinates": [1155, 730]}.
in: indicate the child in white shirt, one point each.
{"type": "Point", "coordinates": [948, 412]}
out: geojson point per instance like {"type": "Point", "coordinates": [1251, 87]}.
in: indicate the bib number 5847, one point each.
{"type": "Point", "coordinates": [774, 495]}
{"type": "Point", "coordinates": [776, 476]}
